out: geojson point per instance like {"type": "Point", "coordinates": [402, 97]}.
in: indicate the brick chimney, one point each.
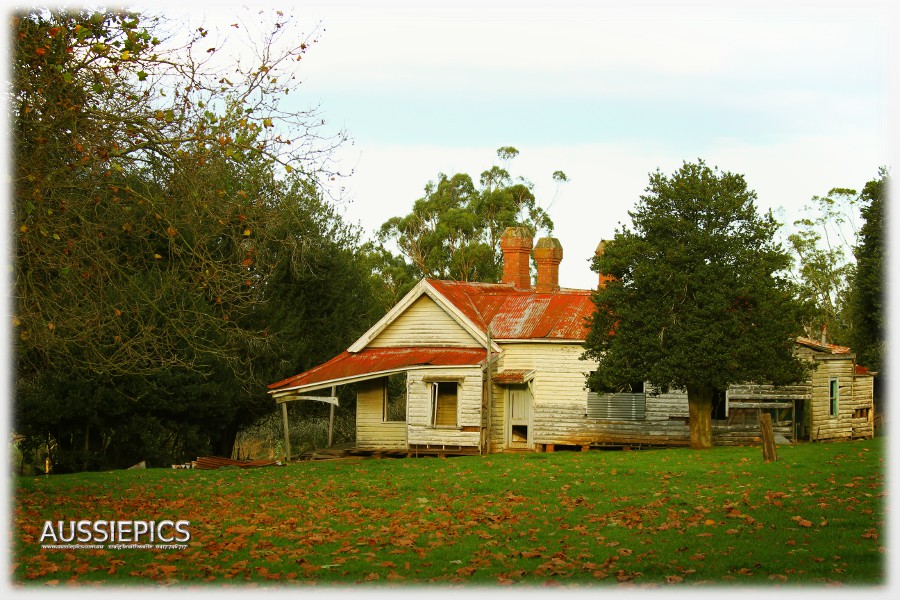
{"type": "Point", "coordinates": [604, 278]}
{"type": "Point", "coordinates": [516, 246]}
{"type": "Point", "coordinates": [548, 254]}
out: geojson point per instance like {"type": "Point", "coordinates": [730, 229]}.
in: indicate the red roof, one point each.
{"type": "Point", "coordinates": [821, 347]}
{"type": "Point", "coordinates": [517, 314]}
{"type": "Point", "coordinates": [512, 376]}
{"type": "Point", "coordinates": [514, 314]}
{"type": "Point", "coordinates": [379, 360]}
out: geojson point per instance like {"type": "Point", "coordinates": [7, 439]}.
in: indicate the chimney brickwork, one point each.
{"type": "Point", "coordinates": [548, 253]}
{"type": "Point", "coordinates": [516, 246]}
{"type": "Point", "coordinates": [604, 277]}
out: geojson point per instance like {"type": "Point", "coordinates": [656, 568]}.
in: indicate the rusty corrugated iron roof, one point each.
{"type": "Point", "coordinates": [378, 360]}
{"type": "Point", "coordinates": [520, 314]}
{"type": "Point", "coordinates": [513, 313]}
{"type": "Point", "coordinates": [822, 347]}
{"type": "Point", "coordinates": [508, 376]}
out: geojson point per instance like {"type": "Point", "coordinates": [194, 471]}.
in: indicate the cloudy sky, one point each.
{"type": "Point", "coordinates": [793, 95]}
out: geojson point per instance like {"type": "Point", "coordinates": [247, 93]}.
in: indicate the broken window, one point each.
{"type": "Point", "coordinates": [394, 407]}
{"type": "Point", "coordinates": [833, 391]}
{"type": "Point", "coordinates": [444, 403]}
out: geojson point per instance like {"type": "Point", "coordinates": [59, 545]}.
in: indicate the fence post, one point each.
{"type": "Point", "coordinates": [287, 434]}
{"type": "Point", "coordinates": [768, 437]}
{"type": "Point", "coordinates": [331, 417]}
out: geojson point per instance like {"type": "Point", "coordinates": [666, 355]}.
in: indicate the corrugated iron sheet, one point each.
{"type": "Point", "coordinates": [817, 345]}
{"type": "Point", "coordinates": [375, 360]}
{"type": "Point", "coordinates": [217, 462]}
{"type": "Point", "coordinates": [617, 407]}
{"type": "Point", "coordinates": [509, 376]}
{"type": "Point", "coordinates": [516, 314]}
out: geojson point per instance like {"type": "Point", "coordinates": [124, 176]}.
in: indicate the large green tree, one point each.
{"type": "Point", "coordinates": [700, 299]}
{"type": "Point", "coordinates": [163, 199]}
{"type": "Point", "coordinates": [143, 183]}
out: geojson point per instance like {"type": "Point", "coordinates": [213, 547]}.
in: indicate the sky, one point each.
{"type": "Point", "coordinates": [795, 96]}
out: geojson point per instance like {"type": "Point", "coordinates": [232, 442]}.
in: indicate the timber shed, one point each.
{"type": "Point", "coordinates": [463, 367]}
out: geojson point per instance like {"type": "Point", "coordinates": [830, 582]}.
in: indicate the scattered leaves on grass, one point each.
{"type": "Point", "coordinates": [567, 518]}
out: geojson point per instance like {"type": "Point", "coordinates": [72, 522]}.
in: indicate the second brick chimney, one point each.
{"type": "Point", "coordinates": [604, 277]}
{"type": "Point", "coordinates": [516, 246]}
{"type": "Point", "coordinates": [548, 254]}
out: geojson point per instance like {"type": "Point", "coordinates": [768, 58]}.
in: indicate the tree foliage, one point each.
{"type": "Point", "coordinates": [822, 242]}
{"type": "Point", "coordinates": [144, 193]}
{"type": "Point", "coordinates": [453, 231]}
{"type": "Point", "coordinates": [867, 296]}
{"type": "Point", "coordinates": [700, 299]}
{"type": "Point", "coordinates": [166, 209]}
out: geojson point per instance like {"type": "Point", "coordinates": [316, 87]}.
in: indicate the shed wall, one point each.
{"type": "Point", "coordinates": [854, 393]}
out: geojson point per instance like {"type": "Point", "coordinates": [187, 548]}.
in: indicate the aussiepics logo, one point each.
{"type": "Point", "coordinates": [164, 534]}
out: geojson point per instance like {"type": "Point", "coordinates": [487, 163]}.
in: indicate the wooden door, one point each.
{"type": "Point", "coordinates": [518, 427]}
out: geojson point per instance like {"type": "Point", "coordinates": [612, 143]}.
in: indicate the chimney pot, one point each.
{"type": "Point", "coordinates": [548, 253]}
{"type": "Point", "coordinates": [515, 244]}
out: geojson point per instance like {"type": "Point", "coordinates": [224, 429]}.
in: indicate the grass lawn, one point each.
{"type": "Point", "coordinates": [600, 518]}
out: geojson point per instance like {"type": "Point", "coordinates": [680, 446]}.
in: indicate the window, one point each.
{"type": "Point", "coordinates": [444, 403]}
{"type": "Point", "coordinates": [833, 392]}
{"type": "Point", "coordinates": [394, 407]}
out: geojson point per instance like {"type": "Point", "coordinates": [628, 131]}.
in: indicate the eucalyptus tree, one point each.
{"type": "Point", "coordinates": [454, 230]}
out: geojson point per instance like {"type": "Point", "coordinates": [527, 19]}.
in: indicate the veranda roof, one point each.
{"type": "Point", "coordinates": [350, 367]}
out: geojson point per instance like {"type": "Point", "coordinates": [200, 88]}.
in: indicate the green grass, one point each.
{"type": "Point", "coordinates": [652, 517]}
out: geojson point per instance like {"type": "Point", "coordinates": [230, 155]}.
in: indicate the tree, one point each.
{"type": "Point", "coordinates": [822, 242]}
{"type": "Point", "coordinates": [699, 298]}
{"type": "Point", "coordinates": [162, 202]}
{"type": "Point", "coordinates": [453, 232]}
{"type": "Point", "coordinates": [143, 187]}
{"type": "Point", "coordinates": [866, 304]}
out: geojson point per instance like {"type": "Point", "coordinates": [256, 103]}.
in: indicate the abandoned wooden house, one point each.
{"type": "Point", "coordinates": [462, 367]}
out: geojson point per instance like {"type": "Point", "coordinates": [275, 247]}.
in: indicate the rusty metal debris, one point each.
{"type": "Point", "coordinates": [218, 462]}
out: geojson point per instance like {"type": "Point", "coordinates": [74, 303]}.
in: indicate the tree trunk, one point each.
{"type": "Point", "coordinates": [700, 399]}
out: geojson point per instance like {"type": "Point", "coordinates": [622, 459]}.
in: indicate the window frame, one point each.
{"type": "Point", "coordinates": [834, 396]}
{"type": "Point", "coordinates": [386, 397]}
{"type": "Point", "coordinates": [435, 394]}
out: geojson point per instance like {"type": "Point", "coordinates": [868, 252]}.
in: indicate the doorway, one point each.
{"type": "Point", "coordinates": [518, 410]}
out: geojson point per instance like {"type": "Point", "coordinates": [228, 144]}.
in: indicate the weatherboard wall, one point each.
{"type": "Point", "coordinates": [467, 431]}
{"type": "Point", "coordinates": [426, 324]}
{"type": "Point", "coordinates": [372, 431]}
{"type": "Point", "coordinates": [559, 396]}
{"type": "Point", "coordinates": [855, 414]}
